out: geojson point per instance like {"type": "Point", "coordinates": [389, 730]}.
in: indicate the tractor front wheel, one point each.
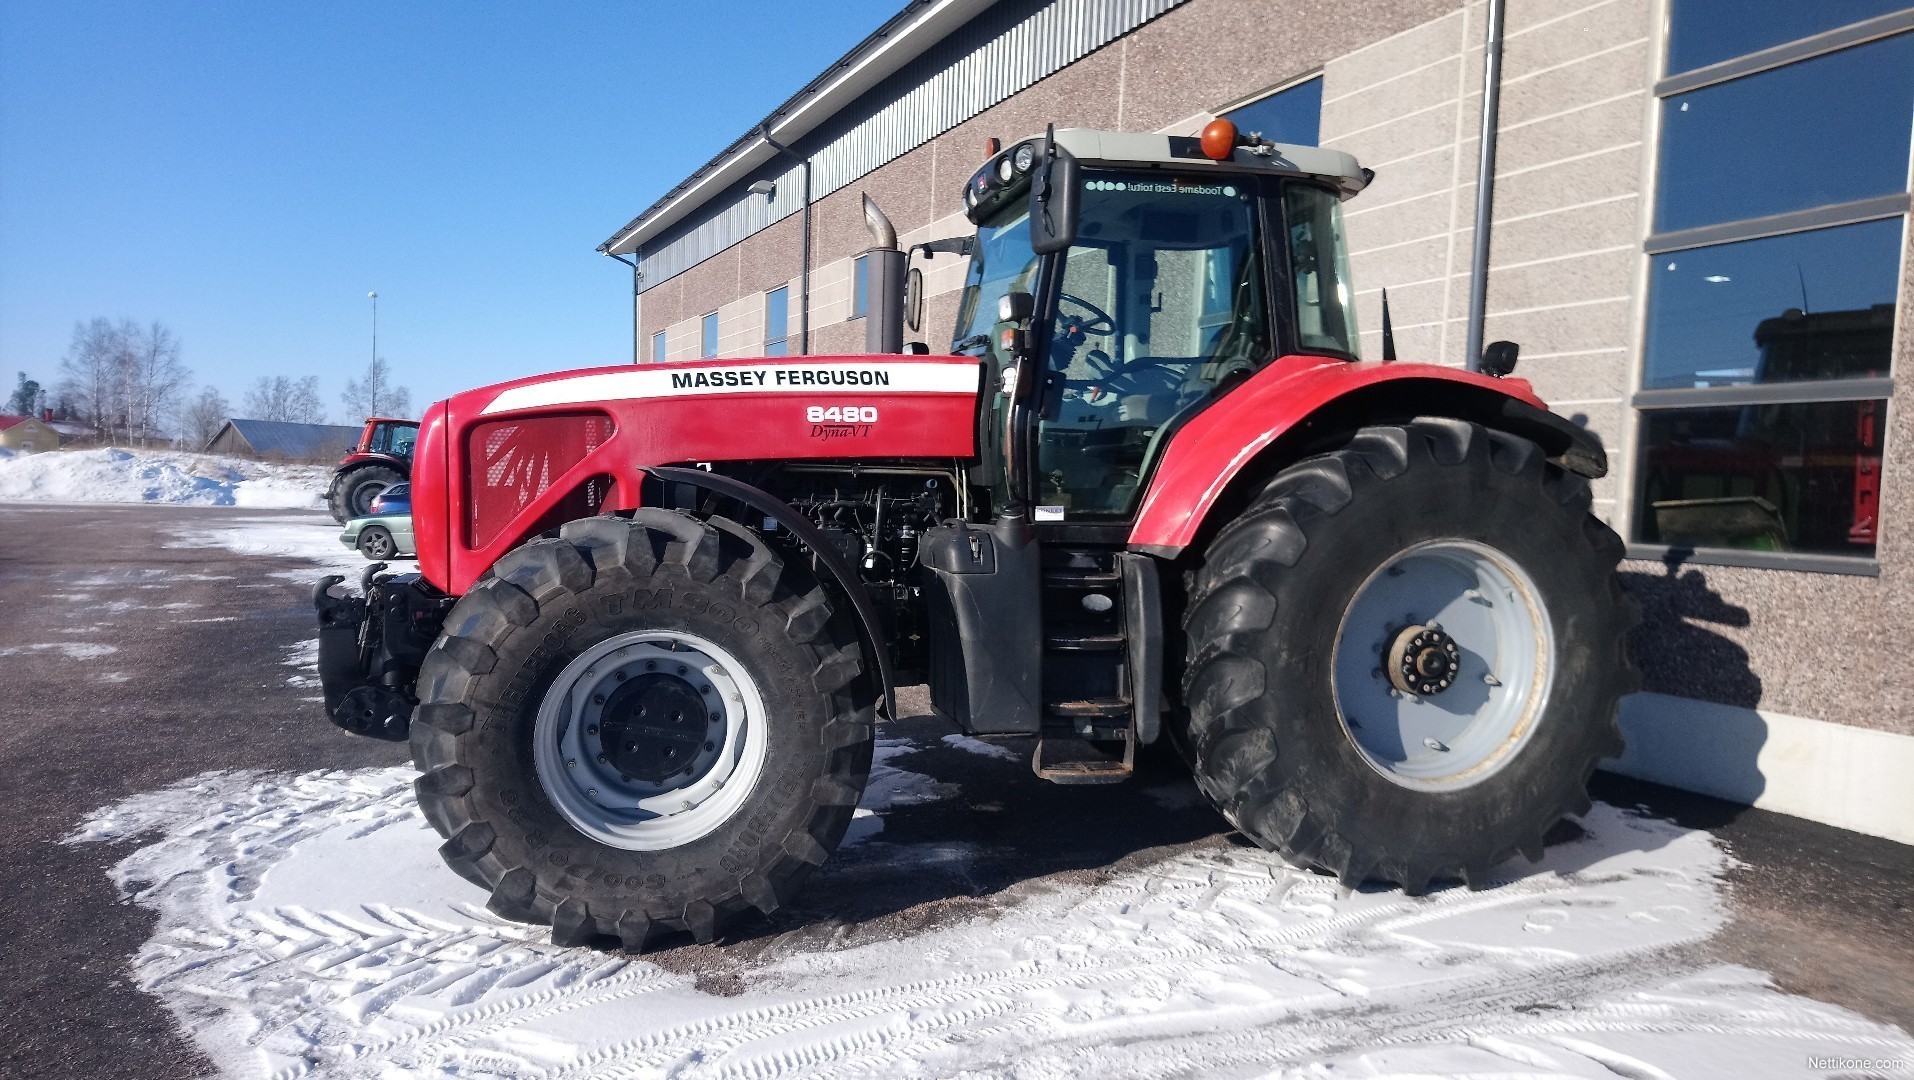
{"type": "Point", "coordinates": [1405, 659]}
{"type": "Point", "coordinates": [643, 726]}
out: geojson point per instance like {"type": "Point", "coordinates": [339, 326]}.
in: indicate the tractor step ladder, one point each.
{"type": "Point", "coordinates": [1077, 761]}
{"type": "Point", "coordinates": [1088, 711]}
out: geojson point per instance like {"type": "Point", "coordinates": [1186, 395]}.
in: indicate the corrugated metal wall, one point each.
{"type": "Point", "coordinates": [968, 72]}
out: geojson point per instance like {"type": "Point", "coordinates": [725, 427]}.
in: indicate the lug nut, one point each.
{"type": "Point", "coordinates": [603, 760]}
{"type": "Point", "coordinates": [591, 729]}
{"type": "Point", "coordinates": [710, 746]}
{"type": "Point", "coordinates": [598, 699]}
{"type": "Point", "coordinates": [620, 676]}
{"type": "Point", "coordinates": [682, 669]}
{"type": "Point", "coordinates": [591, 793]}
{"type": "Point", "coordinates": [651, 665]}
{"type": "Point", "coordinates": [571, 763]}
{"type": "Point", "coordinates": [717, 718]}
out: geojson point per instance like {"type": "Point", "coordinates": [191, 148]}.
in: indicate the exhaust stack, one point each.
{"type": "Point", "coordinates": [884, 267]}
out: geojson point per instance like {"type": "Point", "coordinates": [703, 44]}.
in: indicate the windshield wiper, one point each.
{"type": "Point", "coordinates": [974, 341]}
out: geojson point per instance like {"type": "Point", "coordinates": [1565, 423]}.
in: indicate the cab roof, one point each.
{"type": "Point", "coordinates": [1094, 147]}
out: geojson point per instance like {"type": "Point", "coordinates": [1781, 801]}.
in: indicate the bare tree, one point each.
{"type": "Point", "coordinates": [375, 395]}
{"type": "Point", "coordinates": [123, 378]}
{"type": "Point", "coordinates": [155, 378]}
{"type": "Point", "coordinates": [201, 418]}
{"type": "Point", "coordinates": [285, 399]}
{"type": "Point", "coordinates": [94, 374]}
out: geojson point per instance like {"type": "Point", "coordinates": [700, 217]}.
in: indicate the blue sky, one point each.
{"type": "Point", "coordinates": [247, 172]}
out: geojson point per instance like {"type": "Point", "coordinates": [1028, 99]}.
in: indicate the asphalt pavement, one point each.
{"type": "Point", "coordinates": [197, 681]}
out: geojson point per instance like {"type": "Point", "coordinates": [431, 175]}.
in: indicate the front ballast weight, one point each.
{"type": "Point", "coordinates": [371, 646]}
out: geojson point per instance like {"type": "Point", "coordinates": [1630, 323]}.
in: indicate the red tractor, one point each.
{"type": "Point", "coordinates": [1152, 493]}
{"type": "Point", "coordinates": [382, 458]}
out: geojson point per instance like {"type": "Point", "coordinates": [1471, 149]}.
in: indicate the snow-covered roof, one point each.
{"type": "Point", "coordinates": [292, 440]}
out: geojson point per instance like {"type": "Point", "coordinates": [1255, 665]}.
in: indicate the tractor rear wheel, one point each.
{"type": "Point", "coordinates": [642, 726]}
{"type": "Point", "coordinates": [353, 496]}
{"type": "Point", "coordinates": [1405, 659]}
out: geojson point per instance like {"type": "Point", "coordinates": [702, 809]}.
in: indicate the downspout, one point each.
{"type": "Point", "coordinates": [1484, 186]}
{"type": "Point", "coordinates": [804, 243]}
{"type": "Point", "coordinates": [635, 337]}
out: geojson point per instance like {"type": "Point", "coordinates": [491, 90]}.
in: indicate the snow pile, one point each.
{"type": "Point", "coordinates": [307, 927]}
{"type": "Point", "coordinates": [112, 475]}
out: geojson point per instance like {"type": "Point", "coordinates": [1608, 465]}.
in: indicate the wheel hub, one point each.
{"type": "Point", "coordinates": [654, 726]}
{"type": "Point", "coordinates": [1422, 660]}
{"type": "Point", "coordinates": [650, 739]}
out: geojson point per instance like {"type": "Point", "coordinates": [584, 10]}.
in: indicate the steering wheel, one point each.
{"type": "Point", "coordinates": [1100, 323]}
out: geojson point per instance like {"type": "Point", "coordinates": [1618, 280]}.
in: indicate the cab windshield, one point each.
{"type": "Point", "coordinates": [1162, 301]}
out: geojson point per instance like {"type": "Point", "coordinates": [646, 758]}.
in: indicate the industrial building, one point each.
{"type": "Point", "coordinates": [1696, 232]}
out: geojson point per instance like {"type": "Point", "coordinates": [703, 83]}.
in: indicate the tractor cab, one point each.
{"type": "Point", "coordinates": [390, 437]}
{"type": "Point", "coordinates": [1118, 282]}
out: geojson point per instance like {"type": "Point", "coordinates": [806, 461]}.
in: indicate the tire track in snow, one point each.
{"type": "Point", "coordinates": [327, 939]}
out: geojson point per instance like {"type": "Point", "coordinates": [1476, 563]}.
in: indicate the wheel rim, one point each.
{"type": "Point", "coordinates": [378, 546]}
{"type": "Point", "coordinates": [1442, 664]}
{"type": "Point", "coordinates": [621, 755]}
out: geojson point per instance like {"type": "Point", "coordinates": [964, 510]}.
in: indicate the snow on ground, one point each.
{"type": "Point", "coordinates": [128, 476]}
{"type": "Point", "coordinates": [306, 926]}
{"type": "Point", "coordinates": [314, 539]}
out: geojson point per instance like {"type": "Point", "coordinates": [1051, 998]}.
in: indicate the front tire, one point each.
{"type": "Point", "coordinates": [1406, 658]}
{"type": "Point", "coordinates": [642, 726]}
{"type": "Point", "coordinates": [375, 543]}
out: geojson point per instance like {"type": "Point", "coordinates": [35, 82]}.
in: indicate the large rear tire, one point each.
{"type": "Point", "coordinates": [645, 725]}
{"type": "Point", "coordinates": [1405, 659]}
{"type": "Point", "coordinates": [352, 497]}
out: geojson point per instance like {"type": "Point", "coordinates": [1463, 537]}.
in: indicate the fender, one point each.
{"type": "Point", "coordinates": [787, 516]}
{"type": "Point", "coordinates": [1300, 398]}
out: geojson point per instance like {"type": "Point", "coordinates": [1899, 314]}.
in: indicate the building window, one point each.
{"type": "Point", "coordinates": [708, 343]}
{"type": "Point", "coordinates": [658, 347]}
{"type": "Point", "coordinates": [1774, 283]}
{"type": "Point", "coordinates": [777, 321]}
{"type": "Point", "coordinates": [860, 286]}
{"type": "Point", "coordinates": [1293, 115]}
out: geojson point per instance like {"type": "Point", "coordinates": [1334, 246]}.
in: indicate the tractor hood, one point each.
{"type": "Point", "coordinates": [523, 456]}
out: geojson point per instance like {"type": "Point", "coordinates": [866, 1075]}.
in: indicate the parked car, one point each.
{"type": "Point", "coordinates": [396, 499]}
{"type": "Point", "coordinates": [381, 537]}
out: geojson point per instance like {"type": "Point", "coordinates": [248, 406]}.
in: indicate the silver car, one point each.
{"type": "Point", "coordinates": [383, 536]}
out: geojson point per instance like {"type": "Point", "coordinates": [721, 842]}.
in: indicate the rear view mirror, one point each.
{"type": "Point", "coordinates": [914, 299]}
{"type": "Point", "coordinates": [1054, 185]}
{"type": "Point", "coordinates": [1498, 357]}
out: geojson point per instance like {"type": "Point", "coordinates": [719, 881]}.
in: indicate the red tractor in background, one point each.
{"type": "Point", "coordinates": [382, 458]}
{"type": "Point", "coordinates": [1151, 492]}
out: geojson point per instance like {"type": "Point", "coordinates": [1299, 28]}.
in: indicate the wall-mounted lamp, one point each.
{"type": "Point", "coordinates": [763, 187]}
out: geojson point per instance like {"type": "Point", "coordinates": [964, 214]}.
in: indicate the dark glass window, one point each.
{"type": "Point", "coordinates": [1802, 477]}
{"type": "Point", "coordinates": [1827, 130]}
{"type": "Point", "coordinates": [1808, 305]}
{"type": "Point", "coordinates": [658, 346]}
{"type": "Point", "coordinates": [777, 321]}
{"type": "Point", "coordinates": [860, 287]}
{"type": "Point", "coordinates": [1703, 32]}
{"type": "Point", "coordinates": [708, 345]}
{"type": "Point", "coordinates": [1292, 116]}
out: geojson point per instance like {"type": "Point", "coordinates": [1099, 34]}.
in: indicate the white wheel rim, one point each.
{"type": "Point", "coordinates": [1477, 722]}
{"type": "Point", "coordinates": [577, 771]}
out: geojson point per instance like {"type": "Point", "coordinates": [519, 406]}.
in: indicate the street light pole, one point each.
{"type": "Point", "coordinates": [375, 326]}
